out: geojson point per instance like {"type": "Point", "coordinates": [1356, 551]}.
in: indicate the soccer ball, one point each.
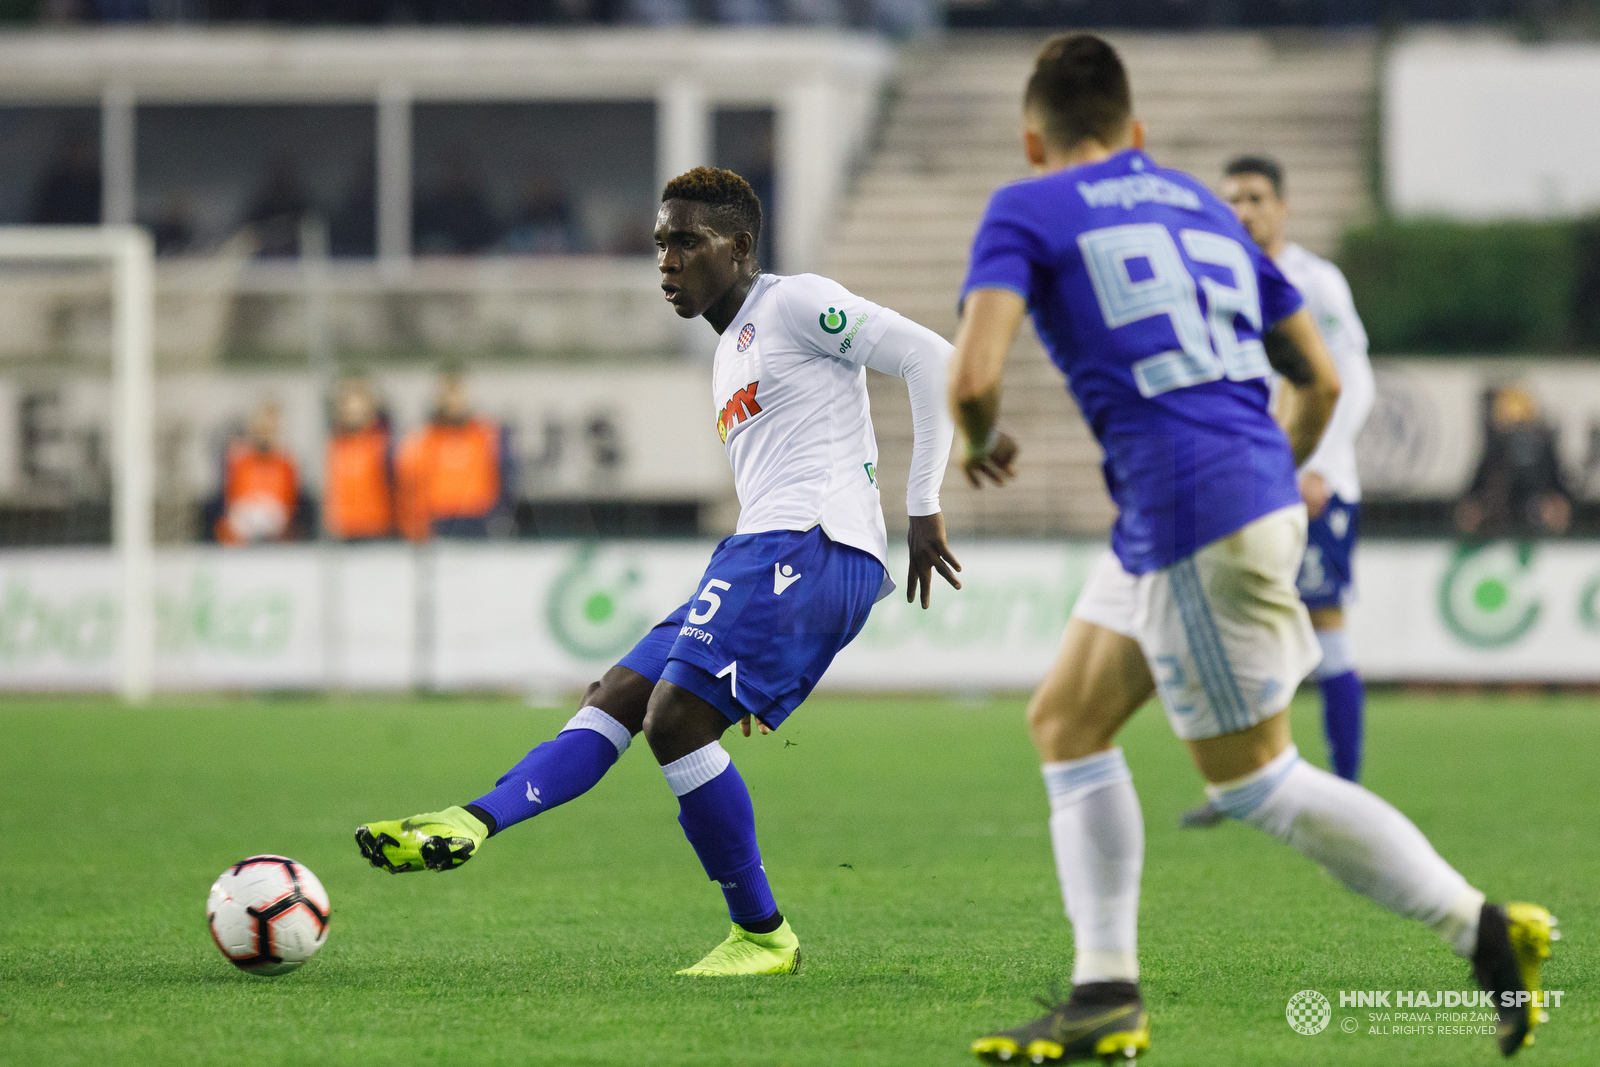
{"type": "Point", "coordinates": [268, 914]}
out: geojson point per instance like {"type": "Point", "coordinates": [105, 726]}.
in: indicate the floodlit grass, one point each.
{"type": "Point", "coordinates": [905, 839]}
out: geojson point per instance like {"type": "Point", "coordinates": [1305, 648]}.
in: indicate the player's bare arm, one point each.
{"type": "Point", "coordinates": [989, 322]}
{"type": "Point", "coordinates": [1295, 350]}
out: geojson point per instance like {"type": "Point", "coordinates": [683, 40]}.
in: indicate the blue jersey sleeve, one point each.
{"type": "Point", "coordinates": [1279, 297]}
{"type": "Point", "coordinates": [1006, 248]}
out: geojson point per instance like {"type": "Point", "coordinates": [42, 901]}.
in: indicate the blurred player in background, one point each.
{"type": "Point", "coordinates": [260, 484]}
{"type": "Point", "coordinates": [456, 475]}
{"type": "Point", "coordinates": [358, 488]}
{"type": "Point", "coordinates": [1329, 484]}
{"type": "Point", "coordinates": [779, 598]}
{"type": "Point", "coordinates": [1168, 321]}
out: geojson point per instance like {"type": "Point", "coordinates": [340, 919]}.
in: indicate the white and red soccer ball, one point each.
{"type": "Point", "coordinates": [268, 914]}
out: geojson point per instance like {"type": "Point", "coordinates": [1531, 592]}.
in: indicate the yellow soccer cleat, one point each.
{"type": "Point", "coordinates": [1101, 1020]}
{"type": "Point", "coordinates": [747, 953]}
{"type": "Point", "coordinates": [438, 841]}
{"type": "Point", "coordinates": [1513, 943]}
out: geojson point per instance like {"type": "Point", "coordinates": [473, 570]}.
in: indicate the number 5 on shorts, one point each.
{"type": "Point", "coordinates": [709, 595]}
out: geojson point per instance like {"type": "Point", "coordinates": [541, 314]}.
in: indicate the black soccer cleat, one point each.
{"type": "Point", "coordinates": [1513, 942]}
{"type": "Point", "coordinates": [1104, 1020]}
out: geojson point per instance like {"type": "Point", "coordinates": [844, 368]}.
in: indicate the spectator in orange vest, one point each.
{"type": "Point", "coordinates": [260, 485]}
{"type": "Point", "coordinates": [358, 490]}
{"type": "Point", "coordinates": [456, 474]}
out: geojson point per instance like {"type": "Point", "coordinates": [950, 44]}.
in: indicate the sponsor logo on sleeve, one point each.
{"type": "Point", "coordinates": [832, 321]}
{"type": "Point", "coordinates": [850, 338]}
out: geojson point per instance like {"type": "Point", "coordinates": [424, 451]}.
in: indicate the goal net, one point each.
{"type": "Point", "coordinates": [76, 357]}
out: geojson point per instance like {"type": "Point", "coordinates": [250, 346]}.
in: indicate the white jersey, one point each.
{"type": "Point", "coordinates": [1327, 297]}
{"type": "Point", "coordinates": [790, 395]}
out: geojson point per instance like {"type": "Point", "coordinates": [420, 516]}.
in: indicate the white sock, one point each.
{"type": "Point", "coordinates": [1098, 833]}
{"type": "Point", "coordinates": [1360, 839]}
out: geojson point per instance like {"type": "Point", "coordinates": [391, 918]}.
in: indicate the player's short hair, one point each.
{"type": "Point", "coordinates": [735, 207]}
{"type": "Point", "coordinates": [1079, 90]}
{"type": "Point", "coordinates": [1265, 166]}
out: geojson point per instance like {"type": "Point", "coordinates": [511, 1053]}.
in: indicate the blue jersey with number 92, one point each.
{"type": "Point", "coordinates": [1152, 298]}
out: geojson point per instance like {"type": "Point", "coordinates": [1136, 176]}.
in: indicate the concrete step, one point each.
{"type": "Point", "coordinates": [952, 135]}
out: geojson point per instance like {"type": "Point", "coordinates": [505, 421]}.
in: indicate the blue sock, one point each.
{"type": "Point", "coordinates": [1343, 702]}
{"type": "Point", "coordinates": [716, 815]}
{"type": "Point", "coordinates": [566, 766]}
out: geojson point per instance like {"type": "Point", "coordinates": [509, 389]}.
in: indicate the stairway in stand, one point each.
{"type": "Point", "coordinates": [952, 134]}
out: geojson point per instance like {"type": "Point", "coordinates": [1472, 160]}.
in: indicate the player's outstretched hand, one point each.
{"type": "Point", "coordinates": [744, 724]}
{"type": "Point", "coordinates": [929, 553]}
{"type": "Point", "coordinates": [998, 464]}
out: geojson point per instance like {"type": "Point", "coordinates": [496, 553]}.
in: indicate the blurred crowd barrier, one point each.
{"type": "Point", "coordinates": [616, 431]}
{"type": "Point", "coordinates": [583, 437]}
{"type": "Point", "coordinates": [1433, 419]}
{"type": "Point", "coordinates": [553, 617]}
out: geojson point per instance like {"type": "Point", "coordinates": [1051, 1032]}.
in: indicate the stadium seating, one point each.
{"type": "Point", "coordinates": [951, 135]}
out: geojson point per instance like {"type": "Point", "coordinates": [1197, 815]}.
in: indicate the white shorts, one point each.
{"type": "Point", "coordinates": [1224, 631]}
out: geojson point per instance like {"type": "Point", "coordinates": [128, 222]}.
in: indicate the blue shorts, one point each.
{"type": "Point", "coordinates": [772, 611]}
{"type": "Point", "coordinates": [1325, 573]}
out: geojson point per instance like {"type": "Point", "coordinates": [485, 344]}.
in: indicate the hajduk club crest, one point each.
{"type": "Point", "coordinates": [747, 335]}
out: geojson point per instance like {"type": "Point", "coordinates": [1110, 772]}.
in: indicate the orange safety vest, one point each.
{"type": "Point", "coordinates": [448, 472]}
{"type": "Point", "coordinates": [255, 485]}
{"type": "Point", "coordinates": [358, 500]}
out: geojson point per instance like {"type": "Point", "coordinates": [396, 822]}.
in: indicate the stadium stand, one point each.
{"type": "Point", "coordinates": [951, 135]}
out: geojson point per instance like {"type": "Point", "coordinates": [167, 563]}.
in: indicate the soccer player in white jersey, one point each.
{"type": "Point", "coordinates": [780, 597]}
{"type": "Point", "coordinates": [1168, 320]}
{"type": "Point", "coordinates": [1253, 187]}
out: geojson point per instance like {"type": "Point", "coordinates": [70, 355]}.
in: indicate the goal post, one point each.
{"type": "Point", "coordinates": [128, 251]}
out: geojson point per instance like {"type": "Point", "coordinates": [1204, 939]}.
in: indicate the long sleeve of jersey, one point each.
{"type": "Point", "coordinates": [1327, 297]}
{"type": "Point", "coordinates": [920, 356]}
{"type": "Point", "coordinates": [1341, 330]}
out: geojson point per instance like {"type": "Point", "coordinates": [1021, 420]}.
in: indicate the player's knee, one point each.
{"type": "Point", "coordinates": [622, 694]}
{"type": "Point", "coordinates": [1060, 732]}
{"type": "Point", "coordinates": [663, 720]}
{"type": "Point", "coordinates": [677, 723]}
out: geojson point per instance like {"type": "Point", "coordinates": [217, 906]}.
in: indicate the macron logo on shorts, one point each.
{"type": "Point", "coordinates": [783, 576]}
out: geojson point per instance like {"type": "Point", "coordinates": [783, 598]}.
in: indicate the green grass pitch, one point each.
{"type": "Point", "coordinates": [905, 838]}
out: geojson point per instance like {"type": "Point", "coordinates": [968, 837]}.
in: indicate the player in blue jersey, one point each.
{"type": "Point", "coordinates": [779, 598]}
{"type": "Point", "coordinates": [1167, 319]}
